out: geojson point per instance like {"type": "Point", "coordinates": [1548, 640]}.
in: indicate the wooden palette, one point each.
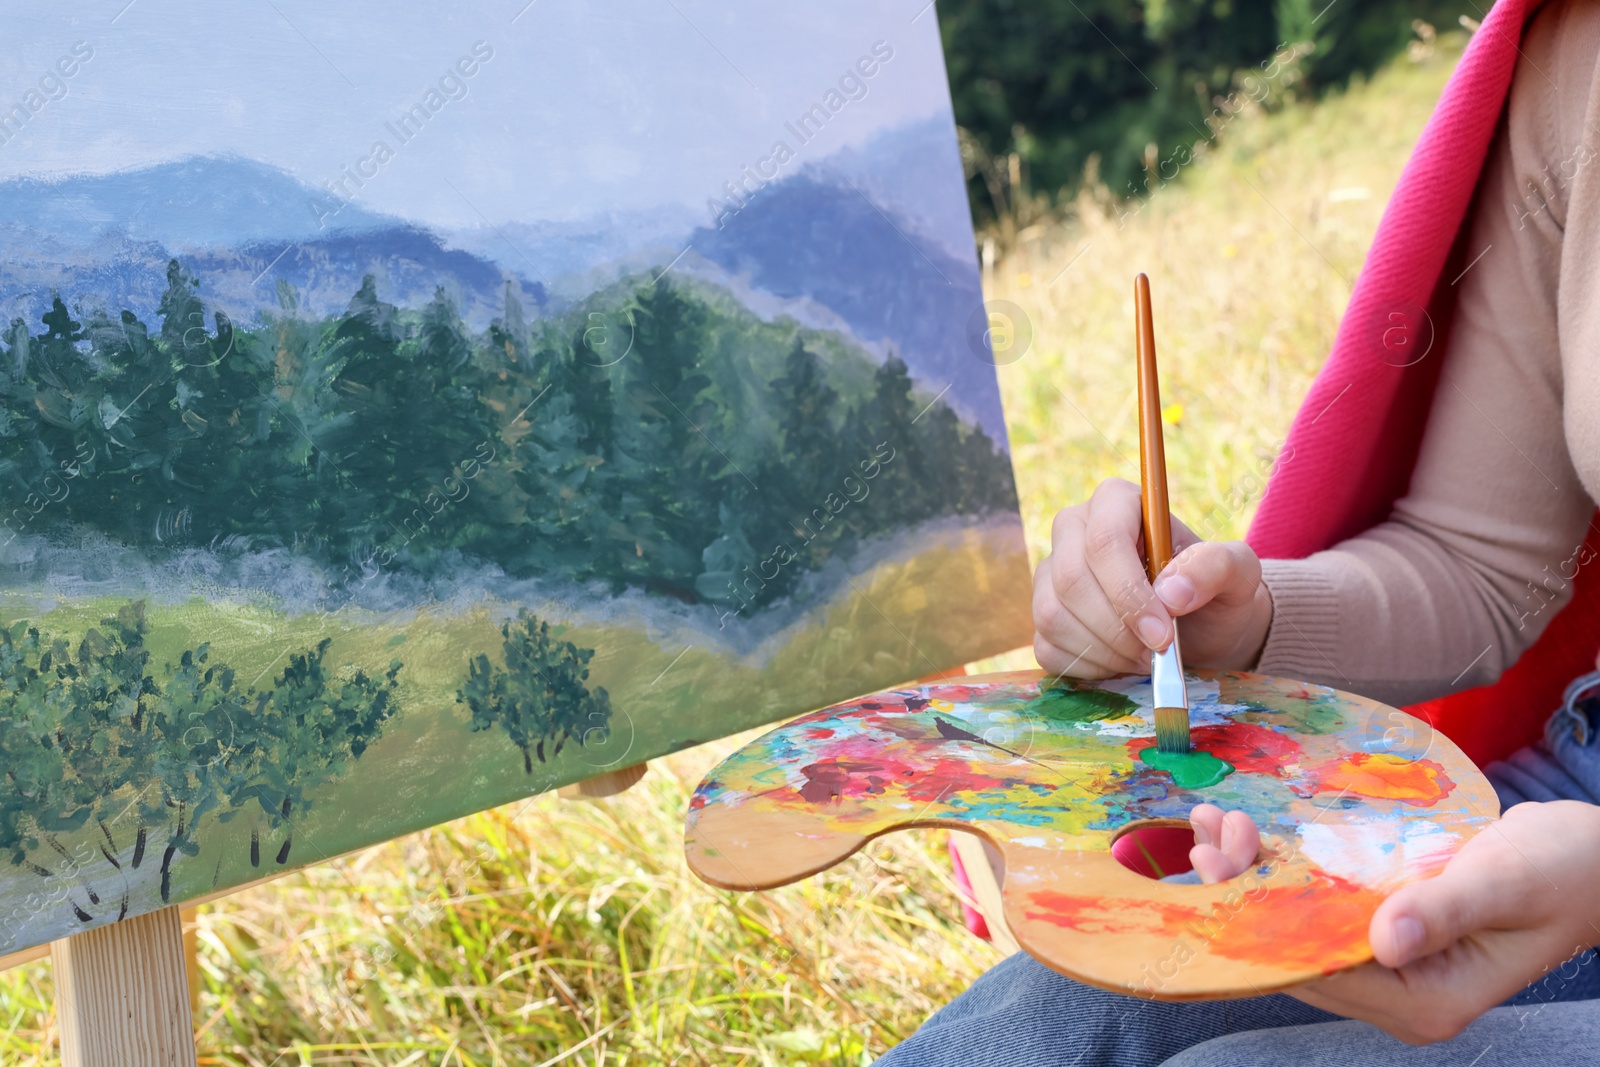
{"type": "Point", "coordinates": [1353, 798]}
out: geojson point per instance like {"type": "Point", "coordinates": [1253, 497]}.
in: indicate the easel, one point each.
{"type": "Point", "coordinates": [126, 993]}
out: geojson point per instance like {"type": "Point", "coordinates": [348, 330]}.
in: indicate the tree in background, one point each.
{"type": "Point", "coordinates": [807, 407]}
{"type": "Point", "coordinates": [1053, 82]}
{"type": "Point", "coordinates": [539, 696]}
{"type": "Point", "coordinates": [908, 494]}
{"type": "Point", "coordinates": [561, 437]}
{"type": "Point", "coordinates": [662, 455]}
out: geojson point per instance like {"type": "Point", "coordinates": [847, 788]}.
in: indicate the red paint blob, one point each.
{"type": "Point", "coordinates": [866, 773]}
{"type": "Point", "coordinates": [1250, 747]}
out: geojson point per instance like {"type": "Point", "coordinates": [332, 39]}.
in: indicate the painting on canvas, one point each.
{"type": "Point", "coordinates": [408, 410]}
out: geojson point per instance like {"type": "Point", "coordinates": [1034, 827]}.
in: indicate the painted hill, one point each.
{"type": "Point", "coordinates": [812, 238]}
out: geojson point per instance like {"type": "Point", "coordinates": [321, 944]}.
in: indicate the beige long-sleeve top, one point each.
{"type": "Point", "coordinates": [1477, 558]}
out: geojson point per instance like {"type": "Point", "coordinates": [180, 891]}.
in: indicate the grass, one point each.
{"type": "Point", "coordinates": [551, 927]}
{"type": "Point", "coordinates": [1251, 255]}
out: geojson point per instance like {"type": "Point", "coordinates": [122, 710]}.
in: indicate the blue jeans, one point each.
{"type": "Point", "coordinates": [1021, 1014]}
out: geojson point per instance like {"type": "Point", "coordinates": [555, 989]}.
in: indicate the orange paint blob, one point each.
{"type": "Point", "coordinates": [1321, 923]}
{"type": "Point", "coordinates": [1384, 777]}
{"type": "Point", "coordinates": [1108, 915]}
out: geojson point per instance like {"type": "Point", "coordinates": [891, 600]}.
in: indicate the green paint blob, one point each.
{"type": "Point", "coordinates": [1190, 770]}
{"type": "Point", "coordinates": [1079, 705]}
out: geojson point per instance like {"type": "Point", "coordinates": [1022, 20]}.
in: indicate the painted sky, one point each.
{"type": "Point", "coordinates": [582, 108]}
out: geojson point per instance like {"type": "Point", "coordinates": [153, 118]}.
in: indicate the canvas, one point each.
{"type": "Point", "coordinates": [406, 410]}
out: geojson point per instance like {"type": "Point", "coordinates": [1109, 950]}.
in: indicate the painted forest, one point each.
{"type": "Point", "coordinates": [656, 436]}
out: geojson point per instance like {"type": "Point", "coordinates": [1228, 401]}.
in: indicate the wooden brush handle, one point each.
{"type": "Point", "coordinates": [1152, 452]}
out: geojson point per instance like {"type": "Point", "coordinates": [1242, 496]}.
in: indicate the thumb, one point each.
{"type": "Point", "coordinates": [1223, 571]}
{"type": "Point", "coordinates": [1427, 917]}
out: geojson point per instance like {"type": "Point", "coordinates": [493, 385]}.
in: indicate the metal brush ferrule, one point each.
{"type": "Point", "coordinates": [1166, 677]}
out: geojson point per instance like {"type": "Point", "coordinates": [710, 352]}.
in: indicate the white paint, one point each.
{"type": "Point", "coordinates": [1376, 852]}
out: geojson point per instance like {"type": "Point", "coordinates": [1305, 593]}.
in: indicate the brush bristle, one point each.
{"type": "Point", "coordinates": [1172, 730]}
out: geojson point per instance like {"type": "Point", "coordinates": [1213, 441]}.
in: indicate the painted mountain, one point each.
{"type": "Point", "coordinates": [914, 297]}
{"type": "Point", "coordinates": [240, 225]}
{"type": "Point", "coordinates": [329, 512]}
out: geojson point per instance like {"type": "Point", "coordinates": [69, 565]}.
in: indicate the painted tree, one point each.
{"type": "Point", "coordinates": [106, 732]}
{"type": "Point", "coordinates": [907, 491]}
{"type": "Point", "coordinates": [90, 737]}
{"type": "Point", "coordinates": [560, 432]}
{"type": "Point", "coordinates": [539, 697]}
{"type": "Point", "coordinates": [32, 763]}
{"type": "Point", "coordinates": [662, 456]}
{"type": "Point", "coordinates": [74, 730]}
{"type": "Point", "coordinates": [508, 334]}
{"type": "Point", "coordinates": [205, 744]}
{"type": "Point", "coordinates": [135, 747]}
{"type": "Point", "coordinates": [312, 726]}
{"type": "Point", "coordinates": [790, 503]}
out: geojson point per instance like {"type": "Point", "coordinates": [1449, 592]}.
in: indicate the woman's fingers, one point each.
{"type": "Point", "coordinates": [1075, 662]}
{"type": "Point", "coordinates": [1072, 611]}
{"type": "Point", "coordinates": [1241, 841]}
{"type": "Point", "coordinates": [1210, 864]}
{"type": "Point", "coordinates": [1223, 571]}
{"type": "Point", "coordinates": [1182, 536]}
{"type": "Point", "coordinates": [1111, 549]}
{"type": "Point", "coordinates": [1216, 588]}
{"type": "Point", "coordinates": [1225, 845]}
{"type": "Point", "coordinates": [1507, 877]}
{"type": "Point", "coordinates": [1206, 821]}
{"type": "Point", "coordinates": [1094, 611]}
{"type": "Point", "coordinates": [1064, 644]}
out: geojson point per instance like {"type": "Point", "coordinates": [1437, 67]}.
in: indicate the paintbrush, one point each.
{"type": "Point", "coordinates": [1171, 698]}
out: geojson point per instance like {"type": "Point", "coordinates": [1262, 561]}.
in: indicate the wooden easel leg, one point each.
{"type": "Point", "coordinates": [984, 865]}
{"type": "Point", "coordinates": [122, 995]}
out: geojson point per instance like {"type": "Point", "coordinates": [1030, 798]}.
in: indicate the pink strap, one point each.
{"type": "Point", "coordinates": [1340, 471]}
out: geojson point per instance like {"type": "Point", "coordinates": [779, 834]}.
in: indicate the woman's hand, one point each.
{"type": "Point", "coordinates": [1095, 613]}
{"type": "Point", "coordinates": [1516, 902]}
{"type": "Point", "coordinates": [1224, 844]}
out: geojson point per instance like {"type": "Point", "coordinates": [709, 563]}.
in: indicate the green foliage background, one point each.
{"type": "Point", "coordinates": [1059, 81]}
